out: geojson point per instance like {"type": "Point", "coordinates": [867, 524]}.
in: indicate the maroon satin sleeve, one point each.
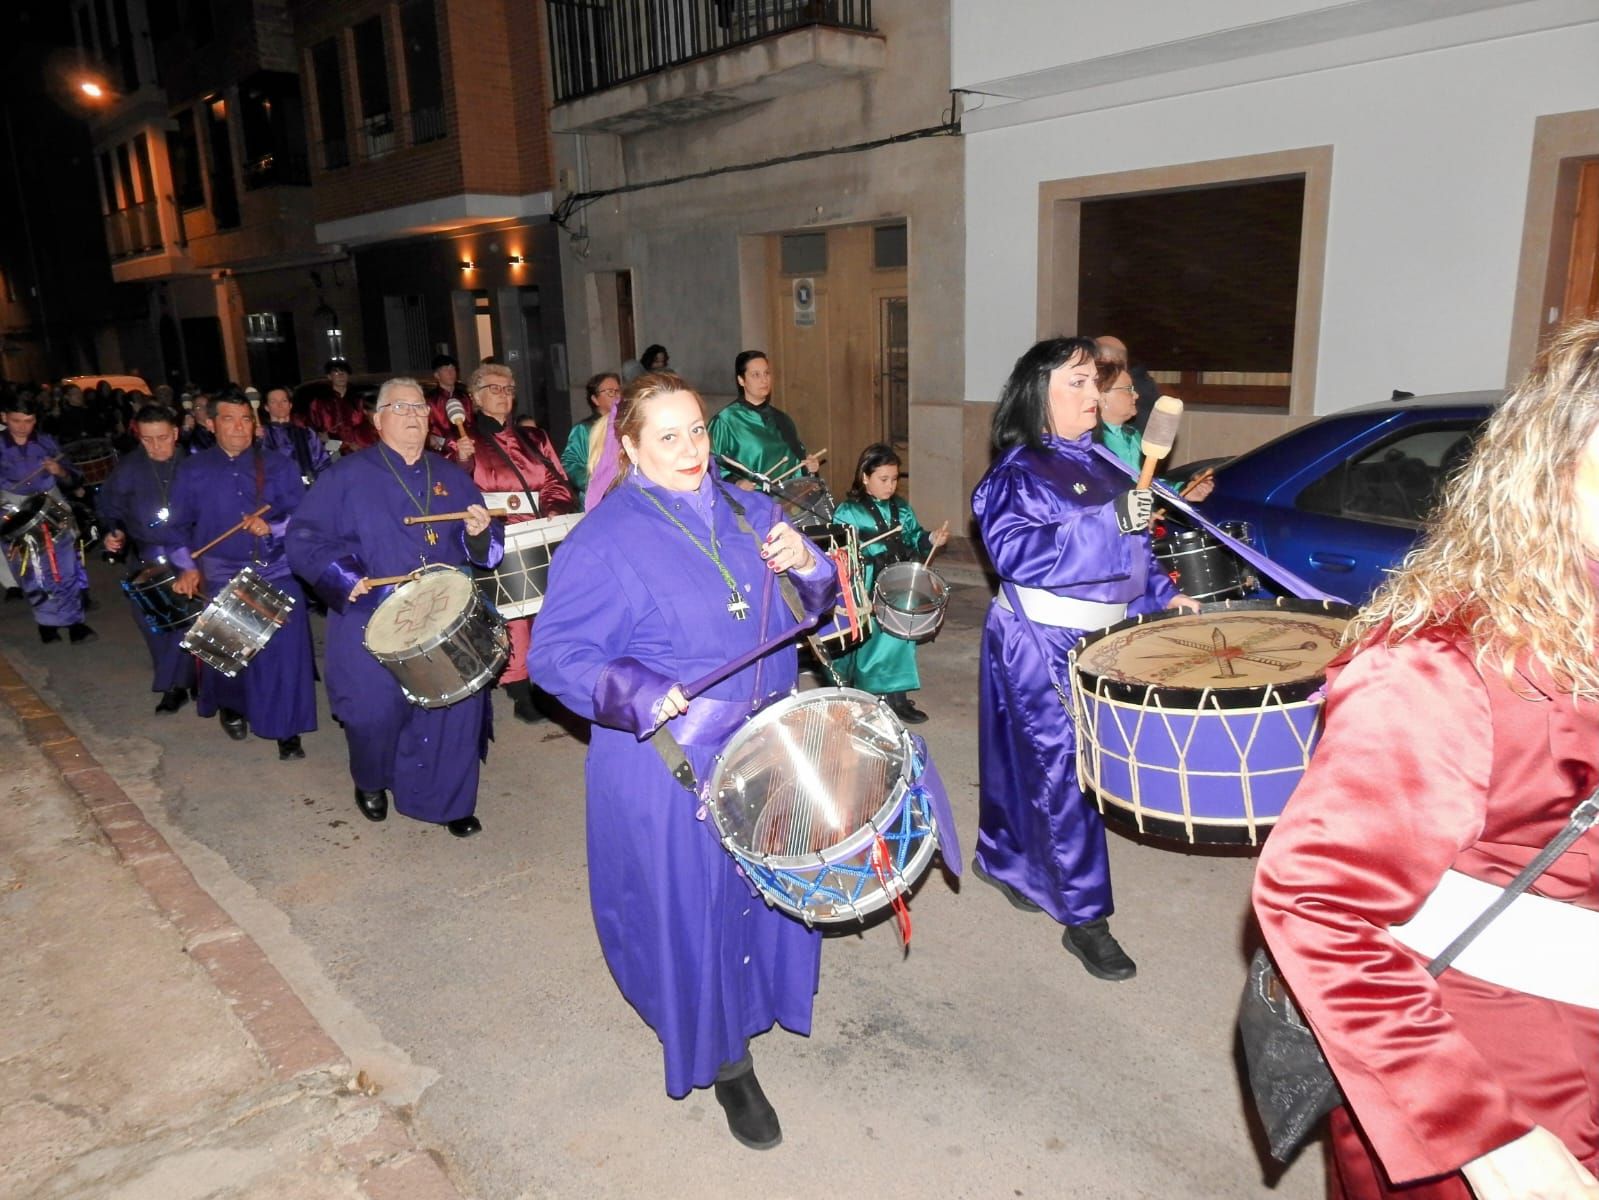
{"type": "Point", "coordinates": [1397, 790]}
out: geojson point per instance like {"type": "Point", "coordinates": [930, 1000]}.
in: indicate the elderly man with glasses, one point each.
{"type": "Point", "coordinates": [351, 530]}
{"type": "Point", "coordinates": [516, 466]}
{"type": "Point", "coordinates": [604, 390]}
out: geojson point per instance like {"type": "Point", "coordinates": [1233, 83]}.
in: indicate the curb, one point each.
{"type": "Point", "coordinates": [389, 1163]}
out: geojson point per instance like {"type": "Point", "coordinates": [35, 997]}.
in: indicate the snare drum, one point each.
{"type": "Point", "coordinates": [805, 500]}
{"type": "Point", "coordinates": [95, 458]}
{"type": "Point", "coordinates": [825, 802]}
{"type": "Point", "coordinates": [161, 608]}
{"type": "Point", "coordinates": [908, 601]}
{"type": "Point", "coordinates": [27, 523]}
{"type": "Point", "coordinates": [240, 620]}
{"type": "Point", "coordinates": [438, 637]}
{"type": "Point", "coordinates": [1199, 725]}
{"type": "Point", "coordinates": [851, 622]}
{"type": "Point", "coordinates": [1200, 566]}
{"type": "Point", "coordinates": [516, 587]}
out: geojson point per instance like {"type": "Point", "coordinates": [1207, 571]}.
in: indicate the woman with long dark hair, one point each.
{"type": "Point", "coordinates": [1070, 543]}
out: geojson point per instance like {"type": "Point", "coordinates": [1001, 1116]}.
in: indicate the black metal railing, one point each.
{"type": "Point", "coordinates": [596, 44]}
{"type": "Point", "coordinates": [135, 230]}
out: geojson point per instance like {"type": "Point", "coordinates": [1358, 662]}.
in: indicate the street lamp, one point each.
{"type": "Point", "coordinates": [93, 89]}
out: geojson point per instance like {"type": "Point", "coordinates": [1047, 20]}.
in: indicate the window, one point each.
{"type": "Point", "coordinates": [262, 328]}
{"type": "Point", "coordinates": [1398, 481]}
{"type": "Point", "coordinates": [274, 133]}
{"type": "Point", "coordinates": [108, 185]}
{"type": "Point", "coordinates": [804, 253]}
{"type": "Point", "coordinates": [330, 105]}
{"type": "Point", "coordinates": [372, 82]}
{"type": "Point", "coordinates": [183, 148]}
{"type": "Point", "coordinates": [423, 80]}
{"type": "Point", "coordinates": [224, 193]}
{"type": "Point", "coordinates": [890, 247]}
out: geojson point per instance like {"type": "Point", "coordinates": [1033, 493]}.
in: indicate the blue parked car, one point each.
{"type": "Point", "coordinates": [1340, 501]}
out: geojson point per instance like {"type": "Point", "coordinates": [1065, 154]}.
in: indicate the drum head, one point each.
{"type": "Point", "coordinates": [808, 772]}
{"type": "Point", "coordinates": [1231, 653]}
{"type": "Point", "coordinates": [911, 588]}
{"type": "Point", "coordinates": [419, 611]}
{"type": "Point", "coordinates": [19, 517]}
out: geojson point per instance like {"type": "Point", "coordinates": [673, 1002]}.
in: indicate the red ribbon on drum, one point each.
{"type": "Point", "coordinates": [882, 866]}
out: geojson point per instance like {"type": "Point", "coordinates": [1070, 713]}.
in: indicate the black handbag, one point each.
{"type": "Point", "coordinates": [1289, 1078]}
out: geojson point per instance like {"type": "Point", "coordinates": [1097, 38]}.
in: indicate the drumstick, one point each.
{"type": "Point", "coordinates": [887, 533]}
{"type": "Point", "coordinates": [738, 466]}
{"type": "Point", "coordinates": [733, 666]}
{"type": "Point", "coordinates": [1159, 436]}
{"type": "Point", "coordinates": [944, 528]}
{"type": "Point", "coordinates": [787, 473]}
{"type": "Point", "coordinates": [386, 580]}
{"type": "Point", "coordinates": [455, 411]}
{"type": "Point", "coordinates": [453, 516]}
{"type": "Point", "coordinates": [222, 537]}
{"type": "Point", "coordinates": [35, 471]}
{"type": "Point", "coordinates": [1198, 479]}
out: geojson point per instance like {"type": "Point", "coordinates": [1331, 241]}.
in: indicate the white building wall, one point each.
{"type": "Point", "coordinates": [1429, 185]}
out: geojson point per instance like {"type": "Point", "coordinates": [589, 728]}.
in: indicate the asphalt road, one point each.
{"type": "Point", "coordinates": [465, 975]}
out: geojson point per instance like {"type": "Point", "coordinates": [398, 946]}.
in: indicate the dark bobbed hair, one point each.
{"type": "Point", "coordinates": [594, 381]}
{"type": "Point", "coordinates": [1022, 417]}
{"type": "Point", "coordinates": [445, 360]}
{"type": "Point", "coordinates": [336, 364]}
{"type": "Point", "coordinates": [878, 454]}
{"type": "Point", "coordinates": [12, 402]}
{"type": "Point", "coordinates": [157, 414]}
{"type": "Point", "coordinates": [650, 352]}
{"type": "Point", "coordinates": [742, 362]}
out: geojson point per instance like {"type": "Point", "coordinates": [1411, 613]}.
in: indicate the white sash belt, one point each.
{"type": "Point", "coordinates": [1047, 608]}
{"type": "Point", "coordinates": [1538, 946]}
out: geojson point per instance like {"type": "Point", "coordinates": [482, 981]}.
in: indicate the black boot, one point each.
{"type": "Point", "coordinates": [172, 699]}
{"type": "Point", "coordinates": [1097, 949]}
{"type": "Point", "coordinates": [289, 748]}
{"type": "Point", "coordinates": [750, 1116]}
{"type": "Point", "coordinates": [900, 705]}
{"type": "Point", "coordinates": [374, 806]}
{"type": "Point", "coordinates": [521, 694]}
{"type": "Point", "coordinates": [233, 724]}
{"type": "Point", "coordinates": [49, 633]}
{"type": "Point", "coordinates": [81, 633]}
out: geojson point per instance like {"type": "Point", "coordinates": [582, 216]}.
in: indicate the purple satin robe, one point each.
{"type": "Point", "coordinates": [133, 499]}
{"type": "Point", "coordinates": [1047, 519]}
{"type": "Point", "coordinates": [351, 526]}
{"type": "Point", "coordinates": [299, 445]}
{"type": "Point", "coordinates": [633, 607]}
{"type": "Point", "coordinates": [276, 692]}
{"type": "Point", "coordinates": [54, 589]}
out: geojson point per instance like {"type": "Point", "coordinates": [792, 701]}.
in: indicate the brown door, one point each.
{"type": "Point", "coordinates": [1582, 272]}
{"type": "Point", "coordinates": [827, 313]}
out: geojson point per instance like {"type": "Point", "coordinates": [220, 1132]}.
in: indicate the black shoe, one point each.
{"type": "Point", "coordinates": [1097, 949]}
{"type": "Point", "coordinates": [464, 826]}
{"type": "Point", "coordinates": [81, 633]}
{"type": "Point", "coordinates": [524, 706]}
{"type": "Point", "coordinates": [172, 699]}
{"type": "Point", "coordinates": [1017, 900]}
{"type": "Point", "coordinates": [900, 705]}
{"type": "Point", "coordinates": [290, 747]}
{"type": "Point", "coordinates": [49, 633]}
{"type": "Point", "coordinates": [13, 593]}
{"type": "Point", "coordinates": [374, 806]}
{"type": "Point", "coordinates": [750, 1116]}
{"type": "Point", "coordinates": [233, 724]}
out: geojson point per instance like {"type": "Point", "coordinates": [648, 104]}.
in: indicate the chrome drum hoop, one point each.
{"type": "Point", "coordinates": [238, 622]}
{"type": "Point", "coordinates": [909, 600]}
{"type": "Point", "coordinates": [461, 652]}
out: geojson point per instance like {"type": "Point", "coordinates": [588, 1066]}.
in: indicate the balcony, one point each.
{"type": "Point", "coordinates": [624, 66]}
{"type": "Point", "coordinates": [133, 231]}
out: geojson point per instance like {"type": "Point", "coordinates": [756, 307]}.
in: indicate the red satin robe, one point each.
{"type": "Point", "coordinates": [440, 431]}
{"type": "Point", "coordinates": [1427, 763]}
{"type": "Point", "coordinates": [547, 480]}
{"type": "Point", "coordinates": [342, 418]}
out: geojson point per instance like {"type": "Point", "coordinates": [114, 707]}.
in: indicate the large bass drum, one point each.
{"type": "Point", "coordinates": [822, 799]}
{"type": "Point", "coordinates": [1198, 726]}
{"type": "Point", "coordinates": [438, 637]}
{"type": "Point", "coordinates": [516, 587]}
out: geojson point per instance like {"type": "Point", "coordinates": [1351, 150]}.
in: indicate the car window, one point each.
{"type": "Point", "coordinates": [1396, 482]}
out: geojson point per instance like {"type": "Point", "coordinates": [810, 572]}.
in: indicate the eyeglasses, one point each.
{"type": "Point", "coordinates": [404, 408]}
{"type": "Point", "coordinates": [508, 389]}
{"type": "Point", "coordinates": [1128, 388]}
{"type": "Point", "coordinates": [609, 392]}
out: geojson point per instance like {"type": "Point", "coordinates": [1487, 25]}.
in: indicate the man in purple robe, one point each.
{"type": "Point", "coordinates": [299, 443]}
{"type": "Point", "coordinates": [275, 693]}
{"type": "Point", "coordinates": [662, 582]}
{"type": "Point", "coordinates": [1070, 543]}
{"type": "Point", "coordinates": [135, 503]}
{"type": "Point", "coordinates": [45, 563]}
{"type": "Point", "coordinates": [351, 530]}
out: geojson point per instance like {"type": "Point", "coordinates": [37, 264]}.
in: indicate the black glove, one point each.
{"type": "Point", "coordinates": [1133, 510]}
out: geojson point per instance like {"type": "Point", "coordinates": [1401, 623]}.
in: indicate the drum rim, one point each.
{"type": "Point", "coordinates": [940, 599]}
{"type": "Point", "coordinates": [1216, 698]}
{"type": "Point", "coordinates": [44, 500]}
{"type": "Point", "coordinates": [787, 703]}
{"type": "Point", "coordinates": [422, 648]}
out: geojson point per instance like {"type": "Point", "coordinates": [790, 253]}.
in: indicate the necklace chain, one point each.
{"type": "Point", "coordinates": [736, 605]}
{"type": "Point", "coordinates": [427, 491]}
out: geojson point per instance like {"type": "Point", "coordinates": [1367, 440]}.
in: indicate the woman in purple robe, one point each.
{"type": "Point", "coordinates": [50, 570]}
{"type": "Point", "coordinates": [135, 503]}
{"type": "Point", "coordinates": [675, 574]}
{"type": "Point", "coordinates": [351, 530]}
{"type": "Point", "coordinates": [1070, 543]}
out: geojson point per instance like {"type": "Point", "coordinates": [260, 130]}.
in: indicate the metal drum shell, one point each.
{"type": "Point", "coordinates": [161, 609]}
{"type": "Point", "coordinates": [1249, 744]}
{"type": "Point", "coordinates": [22, 520]}
{"type": "Point", "coordinates": [95, 458]}
{"type": "Point", "coordinates": [779, 876]}
{"type": "Point", "coordinates": [1199, 565]}
{"type": "Point", "coordinates": [208, 638]}
{"type": "Point", "coordinates": [461, 659]}
{"type": "Point", "coordinates": [516, 586]}
{"type": "Point", "coordinates": [918, 624]}
{"type": "Point", "coordinates": [805, 500]}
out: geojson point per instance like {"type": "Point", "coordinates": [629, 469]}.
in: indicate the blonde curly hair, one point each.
{"type": "Point", "coordinates": [1504, 554]}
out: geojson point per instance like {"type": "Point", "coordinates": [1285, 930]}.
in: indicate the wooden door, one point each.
{"type": "Point", "coordinates": [1582, 271]}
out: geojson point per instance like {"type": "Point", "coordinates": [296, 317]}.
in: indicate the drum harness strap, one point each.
{"type": "Point", "coordinates": [665, 744]}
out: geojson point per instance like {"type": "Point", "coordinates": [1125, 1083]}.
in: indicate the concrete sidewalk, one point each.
{"type": "Point", "coordinates": [150, 1050]}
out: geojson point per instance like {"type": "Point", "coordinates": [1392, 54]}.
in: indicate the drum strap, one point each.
{"type": "Point", "coordinates": [526, 444]}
